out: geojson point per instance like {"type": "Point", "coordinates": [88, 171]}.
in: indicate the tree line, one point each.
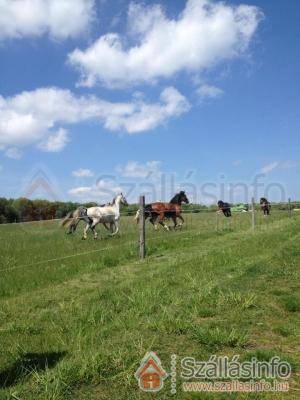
{"type": "Point", "coordinates": [25, 210]}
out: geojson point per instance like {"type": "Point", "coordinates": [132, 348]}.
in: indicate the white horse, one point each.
{"type": "Point", "coordinates": [108, 214]}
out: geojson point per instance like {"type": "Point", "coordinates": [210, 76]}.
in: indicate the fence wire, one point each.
{"type": "Point", "coordinates": [196, 222]}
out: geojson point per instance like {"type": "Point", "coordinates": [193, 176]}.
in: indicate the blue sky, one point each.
{"type": "Point", "coordinates": [199, 92]}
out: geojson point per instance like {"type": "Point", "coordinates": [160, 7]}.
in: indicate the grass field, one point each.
{"type": "Point", "coordinates": [77, 326]}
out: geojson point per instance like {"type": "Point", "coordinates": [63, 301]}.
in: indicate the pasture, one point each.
{"type": "Point", "coordinates": [76, 327]}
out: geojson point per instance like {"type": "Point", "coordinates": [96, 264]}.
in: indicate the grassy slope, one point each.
{"type": "Point", "coordinates": [94, 316]}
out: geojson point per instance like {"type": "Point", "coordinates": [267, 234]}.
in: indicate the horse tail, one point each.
{"type": "Point", "coordinates": [68, 219]}
{"type": "Point", "coordinates": [148, 212]}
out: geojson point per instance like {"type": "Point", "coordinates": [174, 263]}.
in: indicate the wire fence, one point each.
{"type": "Point", "coordinates": [196, 222]}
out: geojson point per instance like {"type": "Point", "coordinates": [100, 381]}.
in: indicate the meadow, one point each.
{"type": "Point", "coordinates": [76, 317]}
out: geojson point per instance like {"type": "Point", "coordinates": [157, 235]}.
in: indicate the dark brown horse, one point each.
{"type": "Point", "coordinates": [225, 208]}
{"type": "Point", "coordinates": [265, 206]}
{"type": "Point", "coordinates": [158, 212]}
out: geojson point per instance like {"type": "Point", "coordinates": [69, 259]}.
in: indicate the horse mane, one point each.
{"type": "Point", "coordinates": [174, 199]}
{"type": "Point", "coordinates": [263, 200]}
{"type": "Point", "coordinates": [108, 204]}
{"type": "Point", "coordinates": [223, 204]}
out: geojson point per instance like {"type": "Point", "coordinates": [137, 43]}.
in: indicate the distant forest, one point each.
{"type": "Point", "coordinates": [23, 209]}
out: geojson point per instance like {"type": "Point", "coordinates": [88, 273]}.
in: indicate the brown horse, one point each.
{"type": "Point", "coordinates": [265, 206]}
{"type": "Point", "coordinates": [160, 211]}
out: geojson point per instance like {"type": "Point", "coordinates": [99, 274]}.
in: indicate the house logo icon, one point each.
{"type": "Point", "coordinates": [151, 375]}
{"type": "Point", "coordinates": [40, 181]}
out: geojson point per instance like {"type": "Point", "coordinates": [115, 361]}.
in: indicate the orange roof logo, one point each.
{"type": "Point", "coordinates": [151, 375]}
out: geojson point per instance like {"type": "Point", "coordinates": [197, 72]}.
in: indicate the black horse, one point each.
{"type": "Point", "coordinates": [265, 206]}
{"type": "Point", "coordinates": [225, 208]}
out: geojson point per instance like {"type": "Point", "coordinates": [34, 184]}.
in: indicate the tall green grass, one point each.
{"type": "Point", "coordinates": [77, 327]}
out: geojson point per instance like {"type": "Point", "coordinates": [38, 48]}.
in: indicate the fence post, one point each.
{"type": "Point", "coordinates": [253, 213]}
{"type": "Point", "coordinates": [142, 227]}
{"type": "Point", "coordinates": [290, 208]}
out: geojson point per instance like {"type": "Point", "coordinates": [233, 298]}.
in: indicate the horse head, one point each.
{"type": "Point", "coordinates": [179, 198]}
{"type": "Point", "coordinates": [220, 204]}
{"type": "Point", "coordinates": [183, 198]}
{"type": "Point", "coordinates": [122, 199]}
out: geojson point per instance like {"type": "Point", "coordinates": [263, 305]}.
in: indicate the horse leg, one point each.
{"type": "Point", "coordinates": [74, 226]}
{"type": "Point", "coordinates": [174, 218]}
{"type": "Point", "coordinates": [84, 237]}
{"type": "Point", "coordinates": [70, 230]}
{"type": "Point", "coordinates": [161, 221]}
{"type": "Point", "coordinates": [93, 228]}
{"type": "Point", "coordinates": [116, 223]}
{"type": "Point", "coordinates": [182, 221]}
{"type": "Point", "coordinates": [153, 219]}
{"type": "Point", "coordinates": [111, 227]}
{"type": "Point", "coordinates": [106, 227]}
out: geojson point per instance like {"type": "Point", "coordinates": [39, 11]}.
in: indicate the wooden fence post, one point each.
{"type": "Point", "coordinates": [290, 208]}
{"type": "Point", "coordinates": [142, 227]}
{"type": "Point", "coordinates": [253, 213]}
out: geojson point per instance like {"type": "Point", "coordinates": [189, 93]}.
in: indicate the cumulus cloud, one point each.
{"type": "Point", "coordinates": [59, 18]}
{"type": "Point", "coordinates": [14, 153]}
{"type": "Point", "coordinates": [205, 33]}
{"type": "Point", "coordinates": [55, 142]}
{"type": "Point", "coordinates": [83, 173]}
{"type": "Point", "coordinates": [288, 164]}
{"type": "Point", "coordinates": [209, 92]}
{"type": "Point", "coordinates": [237, 163]}
{"type": "Point", "coordinates": [144, 116]}
{"type": "Point", "coordinates": [36, 117]}
{"type": "Point", "coordinates": [134, 169]}
{"type": "Point", "coordinates": [102, 191]}
{"type": "Point", "coordinates": [269, 167]}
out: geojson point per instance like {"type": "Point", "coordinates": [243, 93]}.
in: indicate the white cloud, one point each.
{"type": "Point", "coordinates": [36, 117]}
{"type": "Point", "coordinates": [13, 153]}
{"type": "Point", "coordinates": [102, 191]}
{"type": "Point", "coordinates": [209, 91]}
{"type": "Point", "coordinates": [205, 33]}
{"type": "Point", "coordinates": [59, 18]}
{"type": "Point", "coordinates": [145, 116]}
{"type": "Point", "coordinates": [83, 173]}
{"type": "Point", "coordinates": [269, 167]}
{"type": "Point", "coordinates": [134, 169]}
{"type": "Point", "coordinates": [55, 142]}
{"type": "Point", "coordinates": [280, 165]}
{"type": "Point", "coordinates": [237, 163]}
{"type": "Point", "coordinates": [80, 191]}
